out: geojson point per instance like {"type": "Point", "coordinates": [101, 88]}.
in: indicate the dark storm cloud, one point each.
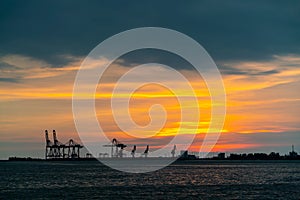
{"type": "Point", "coordinates": [10, 80]}
{"type": "Point", "coordinates": [268, 72]}
{"type": "Point", "coordinates": [4, 65]}
{"type": "Point", "coordinates": [225, 69]}
{"type": "Point", "coordinates": [229, 30]}
{"type": "Point", "coordinates": [6, 73]}
{"type": "Point", "coordinates": [143, 56]}
{"type": "Point", "coordinates": [139, 57]}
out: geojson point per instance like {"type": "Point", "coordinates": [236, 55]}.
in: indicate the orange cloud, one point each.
{"type": "Point", "coordinates": [256, 103]}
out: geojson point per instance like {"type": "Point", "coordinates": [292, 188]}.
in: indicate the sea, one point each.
{"type": "Point", "coordinates": [181, 180]}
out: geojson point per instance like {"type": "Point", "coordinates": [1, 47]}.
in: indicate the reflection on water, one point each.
{"type": "Point", "coordinates": [202, 180]}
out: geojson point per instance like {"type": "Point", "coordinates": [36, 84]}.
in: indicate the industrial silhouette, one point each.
{"type": "Point", "coordinates": [71, 149]}
{"type": "Point", "coordinates": [117, 147]}
{"type": "Point", "coordinates": [133, 151]}
{"type": "Point", "coordinates": [173, 151]}
{"type": "Point", "coordinates": [146, 151]}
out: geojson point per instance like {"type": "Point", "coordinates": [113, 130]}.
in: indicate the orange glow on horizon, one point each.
{"type": "Point", "coordinates": [264, 103]}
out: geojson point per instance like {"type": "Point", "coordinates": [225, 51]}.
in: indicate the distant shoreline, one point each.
{"type": "Point", "coordinates": [179, 160]}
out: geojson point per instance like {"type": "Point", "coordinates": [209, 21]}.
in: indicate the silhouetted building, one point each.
{"type": "Point", "coordinates": [221, 156]}
{"type": "Point", "coordinates": [274, 156]}
{"type": "Point", "coordinates": [185, 155]}
{"type": "Point", "coordinates": [293, 154]}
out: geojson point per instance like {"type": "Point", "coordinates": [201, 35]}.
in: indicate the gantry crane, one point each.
{"type": "Point", "coordinates": [173, 151]}
{"type": "Point", "coordinates": [116, 146]}
{"type": "Point", "coordinates": [146, 151]}
{"type": "Point", "coordinates": [56, 149]}
{"type": "Point", "coordinates": [49, 144]}
{"type": "Point", "coordinates": [133, 151]}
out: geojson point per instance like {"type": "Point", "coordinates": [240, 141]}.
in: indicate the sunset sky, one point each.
{"type": "Point", "coordinates": [255, 44]}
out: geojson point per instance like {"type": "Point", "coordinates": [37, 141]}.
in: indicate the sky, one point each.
{"type": "Point", "coordinates": [255, 45]}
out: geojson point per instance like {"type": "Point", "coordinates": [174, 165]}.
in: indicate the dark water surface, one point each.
{"type": "Point", "coordinates": [184, 180]}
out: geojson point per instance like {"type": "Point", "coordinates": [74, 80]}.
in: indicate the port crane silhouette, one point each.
{"type": "Point", "coordinates": [133, 151]}
{"type": "Point", "coordinates": [173, 151]}
{"type": "Point", "coordinates": [117, 147]}
{"type": "Point", "coordinates": [146, 151]}
{"type": "Point", "coordinates": [57, 149]}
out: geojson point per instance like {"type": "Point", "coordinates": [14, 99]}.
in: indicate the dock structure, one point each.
{"type": "Point", "coordinates": [71, 149]}
{"type": "Point", "coordinates": [57, 149]}
{"type": "Point", "coordinates": [117, 147]}
{"type": "Point", "coordinates": [173, 151]}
